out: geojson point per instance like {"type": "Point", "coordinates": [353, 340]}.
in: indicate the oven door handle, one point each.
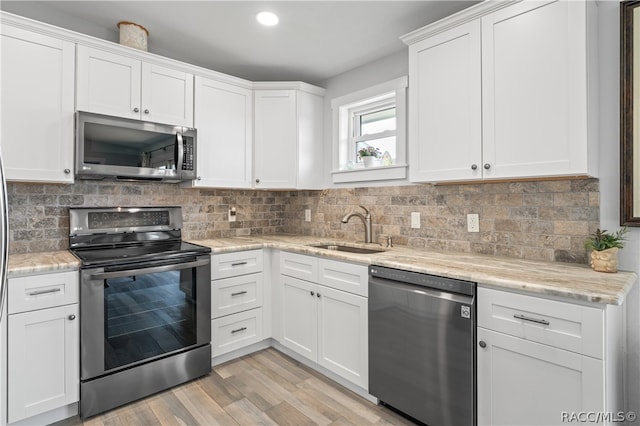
{"type": "Point", "coordinates": [152, 270]}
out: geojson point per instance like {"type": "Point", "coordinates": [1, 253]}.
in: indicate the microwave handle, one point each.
{"type": "Point", "coordinates": [153, 270]}
{"type": "Point", "coordinates": [180, 152]}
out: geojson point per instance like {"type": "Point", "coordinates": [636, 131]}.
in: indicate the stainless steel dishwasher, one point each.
{"type": "Point", "coordinates": [422, 332]}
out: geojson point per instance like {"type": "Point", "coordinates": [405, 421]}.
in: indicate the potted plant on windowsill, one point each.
{"type": "Point", "coordinates": [604, 248]}
{"type": "Point", "coordinates": [368, 154]}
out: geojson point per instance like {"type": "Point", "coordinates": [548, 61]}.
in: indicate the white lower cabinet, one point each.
{"type": "Point", "coordinates": [541, 361]}
{"type": "Point", "coordinates": [523, 382]}
{"type": "Point", "coordinates": [43, 344]}
{"type": "Point", "coordinates": [323, 324]}
{"type": "Point", "coordinates": [236, 301]}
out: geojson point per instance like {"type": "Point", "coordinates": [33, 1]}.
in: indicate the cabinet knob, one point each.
{"type": "Point", "coordinates": [67, 171]}
{"type": "Point", "coordinates": [487, 166]}
{"type": "Point", "coordinates": [72, 317]}
{"type": "Point", "coordinates": [257, 180]}
{"type": "Point", "coordinates": [136, 109]}
{"type": "Point", "coordinates": [482, 344]}
{"type": "Point", "coordinates": [312, 293]}
{"type": "Point", "coordinates": [199, 178]}
{"type": "Point", "coordinates": [318, 295]}
{"type": "Point", "coordinates": [146, 111]}
{"type": "Point", "coordinates": [474, 167]}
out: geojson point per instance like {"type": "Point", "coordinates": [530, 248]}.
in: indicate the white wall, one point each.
{"type": "Point", "coordinates": [609, 39]}
{"type": "Point", "coordinates": [380, 71]}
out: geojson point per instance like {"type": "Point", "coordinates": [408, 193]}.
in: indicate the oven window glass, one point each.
{"type": "Point", "coordinates": [118, 146]}
{"type": "Point", "coordinates": [148, 315]}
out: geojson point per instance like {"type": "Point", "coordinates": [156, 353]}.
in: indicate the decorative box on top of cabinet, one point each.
{"type": "Point", "coordinates": [288, 131]}
{"type": "Point", "coordinates": [237, 294]}
{"type": "Point", "coordinates": [323, 314]}
{"type": "Point", "coordinates": [37, 105]}
{"type": "Point", "coordinates": [43, 344]}
{"type": "Point", "coordinates": [125, 86]}
{"type": "Point", "coordinates": [504, 90]}
{"type": "Point", "coordinates": [540, 359]}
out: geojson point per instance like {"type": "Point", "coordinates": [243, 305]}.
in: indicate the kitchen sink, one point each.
{"type": "Point", "coordinates": [348, 249]}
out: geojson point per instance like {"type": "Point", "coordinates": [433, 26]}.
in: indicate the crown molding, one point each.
{"type": "Point", "coordinates": [466, 15]}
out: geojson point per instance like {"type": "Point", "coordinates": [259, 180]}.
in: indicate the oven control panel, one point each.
{"type": "Point", "coordinates": [128, 219]}
{"type": "Point", "coordinates": [90, 221]}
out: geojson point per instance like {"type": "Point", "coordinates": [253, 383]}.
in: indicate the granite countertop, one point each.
{"type": "Point", "coordinates": [578, 282]}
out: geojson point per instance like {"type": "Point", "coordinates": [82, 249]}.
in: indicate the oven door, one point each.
{"type": "Point", "coordinates": [146, 312]}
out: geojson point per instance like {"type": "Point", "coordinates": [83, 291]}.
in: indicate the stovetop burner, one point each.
{"type": "Point", "coordinates": [104, 256]}
{"type": "Point", "coordinates": [124, 235]}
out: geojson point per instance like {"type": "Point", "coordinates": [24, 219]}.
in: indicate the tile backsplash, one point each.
{"type": "Point", "coordinates": [542, 220]}
{"type": "Point", "coordinates": [39, 214]}
{"type": "Point", "coordinates": [546, 220]}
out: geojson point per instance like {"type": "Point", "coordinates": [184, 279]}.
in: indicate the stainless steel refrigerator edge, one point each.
{"type": "Point", "coordinates": [422, 332]}
{"type": "Point", "coordinates": [4, 255]}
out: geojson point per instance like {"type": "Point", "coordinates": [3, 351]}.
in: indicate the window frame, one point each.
{"type": "Point", "coordinates": [346, 109]}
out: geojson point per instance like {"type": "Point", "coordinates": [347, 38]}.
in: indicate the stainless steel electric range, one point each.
{"type": "Point", "coordinates": [145, 304]}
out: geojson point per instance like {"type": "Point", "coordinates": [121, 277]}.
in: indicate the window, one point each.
{"type": "Point", "coordinates": [370, 120]}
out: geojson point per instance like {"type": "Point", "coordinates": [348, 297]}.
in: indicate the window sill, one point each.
{"type": "Point", "coordinates": [397, 171]}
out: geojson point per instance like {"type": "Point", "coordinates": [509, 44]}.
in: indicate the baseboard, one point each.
{"type": "Point", "coordinates": [49, 417]}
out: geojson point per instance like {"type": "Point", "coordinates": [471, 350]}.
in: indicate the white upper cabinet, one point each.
{"type": "Point", "coordinates": [288, 139]}
{"type": "Point", "coordinates": [223, 117]}
{"type": "Point", "coordinates": [445, 115]}
{"type": "Point", "coordinates": [508, 94]}
{"type": "Point", "coordinates": [37, 106]}
{"type": "Point", "coordinates": [113, 84]}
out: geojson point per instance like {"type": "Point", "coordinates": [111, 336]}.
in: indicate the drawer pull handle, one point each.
{"type": "Point", "coordinates": [537, 321]}
{"type": "Point", "coordinates": [239, 293]}
{"type": "Point", "coordinates": [51, 290]}
{"type": "Point", "coordinates": [238, 330]}
{"type": "Point", "coordinates": [239, 263]}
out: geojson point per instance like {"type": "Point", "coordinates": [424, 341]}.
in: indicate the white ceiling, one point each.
{"type": "Point", "coordinates": [314, 41]}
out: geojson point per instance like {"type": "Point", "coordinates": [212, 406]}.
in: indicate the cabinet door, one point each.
{"type": "Point", "coordinates": [167, 96]}
{"type": "Point", "coordinates": [299, 316]}
{"type": "Point", "coordinates": [43, 361]}
{"type": "Point", "coordinates": [276, 153]}
{"type": "Point", "coordinates": [223, 117]}
{"type": "Point", "coordinates": [535, 89]}
{"type": "Point", "coordinates": [522, 382]}
{"type": "Point", "coordinates": [343, 343]}
{"type": "Point", "coordinates": [108, 83]}
{"type": "Point", "coordinates": [445, 117]}
{"type": "Point", "coordinates": [37, 106]}
{"type": "Point", "coordinates": [236, 331]}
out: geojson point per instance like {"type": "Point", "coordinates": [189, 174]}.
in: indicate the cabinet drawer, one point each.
{"type": "Point", "coordinates": [225, 265]}
{"type": "Point", "coordinates": [236, 294]}
{"type": "Point", "coordinates": [559, 324]}
{"type": "Point", "coordinates": [344, 276]}
{"type": "Point", "coordinates": [42, 291]}
{"type": "Point", "coordinates": [236, 331]}
{"type": "Point", "coordinates": [299, 266]}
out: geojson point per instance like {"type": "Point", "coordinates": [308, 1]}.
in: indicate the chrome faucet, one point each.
{"type": "Point", "coordinates": [366, 219]}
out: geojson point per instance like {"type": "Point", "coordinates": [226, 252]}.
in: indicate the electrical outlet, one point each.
{"type": "Point", "coordinates": [307, 215]}
{"type": "Point", "coordinates": [415, 220]}
{"type": "Point", "coordinates": [473, 222]}
{"type": "Point", "coordinates": [232, 214]}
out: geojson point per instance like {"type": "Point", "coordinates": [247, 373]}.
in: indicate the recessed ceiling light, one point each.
{"type": "Point", "coordinates": [267, 18]}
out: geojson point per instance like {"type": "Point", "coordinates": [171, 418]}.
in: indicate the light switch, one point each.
{"type": "Point", "coordinates": [307, 215]}
{"type": "Point", "coordinates": [473, 222]}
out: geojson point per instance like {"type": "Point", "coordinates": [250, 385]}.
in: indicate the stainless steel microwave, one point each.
{"type": "Point", "coordinates": [121, 148]}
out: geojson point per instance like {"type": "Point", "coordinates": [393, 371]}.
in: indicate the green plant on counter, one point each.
{"type": "Point", "coordinates": [602, 239]}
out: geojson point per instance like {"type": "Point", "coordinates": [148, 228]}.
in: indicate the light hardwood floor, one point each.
{"type": "Point", "coordinates": [264, 388]}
